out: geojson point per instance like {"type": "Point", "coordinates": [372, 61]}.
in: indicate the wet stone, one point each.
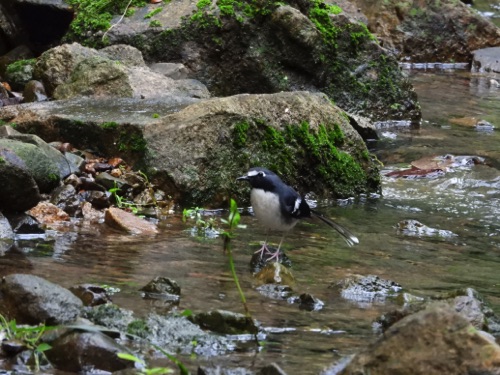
{"type": "Point", "coordinates": [309, 302]}
{"type": "Point", "coordinates": [369, 288]}
{"type": "Point", "coordinates": [128, 222]}
{"type": "Point", "coordinates": [416, 228]}
{"type": "Point", "coordinates": [258, 262]}
{"type": "Point", "coordinates": [275, 291]}
{"type": "Point", "coordinates": [6, 231]}
{"type": "Point", "coordinates": [91, 295]}
{"type": "Point", "coordinates": [275, 273]}
{"type": "Point", "coordinates": [162, 288]}
{"type": "Point", "coordinates": [25, 224]}
{"type": "Point", "coordinates": [32, 300]}
{"type": "Point", "coordinates": [225, 322]}
{"type": "Point", "coordinates": [77, 351]}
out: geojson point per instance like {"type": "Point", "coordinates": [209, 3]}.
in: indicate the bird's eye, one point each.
{"type": "Point", "coordinates": [261, 174]}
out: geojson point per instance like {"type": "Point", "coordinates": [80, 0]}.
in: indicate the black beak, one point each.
{"type": "Point", "coordinates": [242, 178]}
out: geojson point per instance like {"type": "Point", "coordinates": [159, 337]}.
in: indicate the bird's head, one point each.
{"type": "Point", "coordinates": [260, 178]}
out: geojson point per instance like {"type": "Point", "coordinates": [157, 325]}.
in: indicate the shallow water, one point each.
{"type": "Point", "coordinates": [465, 201]}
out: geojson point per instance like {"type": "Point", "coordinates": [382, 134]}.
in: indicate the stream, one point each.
{"type": "Point", "coordinates": [465, 201]}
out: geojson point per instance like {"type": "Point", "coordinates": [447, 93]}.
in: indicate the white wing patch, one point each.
{"type": "Point", "coordinates": [298, 201]}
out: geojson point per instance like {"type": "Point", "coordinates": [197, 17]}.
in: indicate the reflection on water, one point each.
{"type": "Point", "coordinates": [465, 201]}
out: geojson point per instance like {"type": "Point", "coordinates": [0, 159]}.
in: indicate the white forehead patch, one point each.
{"type": "Point", "coordinates": [256, 173]}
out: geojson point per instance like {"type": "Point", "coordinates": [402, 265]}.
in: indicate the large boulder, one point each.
{"type": "Point", "coordinates": [19, 191]}
{"type": "Point", "coordinates": [32, 300]}
{"type": "Point", "coordinates": [71, 70]}
{"type": "Point", "coordinates": [436, 341]}
{"type": "Point", "coordinates": [201, 149]}
{"type": "Point", "coordinates": [429, 31]}
{"type": "Point", "coordinates": [248, 47]}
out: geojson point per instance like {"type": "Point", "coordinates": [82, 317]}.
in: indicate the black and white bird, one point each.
{"type": "Point", "coordinates": [279, 207]}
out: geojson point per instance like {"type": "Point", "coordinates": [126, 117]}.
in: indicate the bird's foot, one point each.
{"type": "Point", "coordinates": [275, 256]}
{"type": "Point", "coordinates": [263, 250]}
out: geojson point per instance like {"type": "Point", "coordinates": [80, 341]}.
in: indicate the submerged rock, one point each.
{"type": "Point", "coordinates": [416, 228]}
{"type": "Point", "coordinates": [369, 288]}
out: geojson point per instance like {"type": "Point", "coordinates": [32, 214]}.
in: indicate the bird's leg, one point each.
{"type": "Point", "coordinates": [276, 254]}
{"type": "Point", "coordinates": [264, 248]}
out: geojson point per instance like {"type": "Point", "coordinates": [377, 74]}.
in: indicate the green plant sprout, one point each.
{"type": "Point", "coordinates": [145, 370]}
{"type": "Point", "coordinates": [233, 222]}
{"type": "Point", "coordinates": [202, 227]}
{"type": "Point", "coordinates": [29, 336]}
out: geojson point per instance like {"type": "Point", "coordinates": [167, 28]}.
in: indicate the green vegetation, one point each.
{"type": "Point", "coordinates": [109, 125]}
{"type": "Point", "coordinates": [19, 65]}
{"type": "Point", "coordinates": [153, 13]}
{"type": "Point", "coordinates": [155, 23]}
{"type": "Point", "coordinates": [203, 227]}
{"type": "Point", "coordinates": [28, 336]}
{"type": "Point", "coordinates": [155, 115]}
{"type": "Point", "coordinates": [233, 222]}
{"type": "Point", "coordinates": [240, 134]}
{"type": "Point", "coordinates": [300, 147]}
{"type": "Point", "coordinates": [96, 15]}
{"type": "Point", "coordinates": [144, 369]}
{"type": "Point", "coordinates": [131, 141]}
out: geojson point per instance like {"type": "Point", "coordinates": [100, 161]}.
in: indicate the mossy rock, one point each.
{"type": "Point", "coordinates": [197, 153]}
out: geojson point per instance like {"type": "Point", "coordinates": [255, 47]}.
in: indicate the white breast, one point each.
{"type": "Point", "coordinates": [266, 207]}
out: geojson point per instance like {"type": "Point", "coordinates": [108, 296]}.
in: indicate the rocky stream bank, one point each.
{"type": "Point", "coordinates": [163, 113]}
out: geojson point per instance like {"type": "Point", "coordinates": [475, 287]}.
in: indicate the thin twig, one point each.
{"type": "Point", "coordinates": [120, 20]}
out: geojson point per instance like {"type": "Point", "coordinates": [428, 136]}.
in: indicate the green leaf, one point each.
{"type": "Point", "coordinates": [43, 347]}
{"type": "Point", "coordinates": [131, 357]}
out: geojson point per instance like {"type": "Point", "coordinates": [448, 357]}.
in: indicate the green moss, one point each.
{"type": "Point", "coordinates": [2, 160]}
{"type": "Point", "coordinates": [131, 141]}
{"type": "Point", "coordinates": [53, 177]}
{"type": "Point", "coordinates": [93, 16]}
{"type": "Point", "coordinates": [153, 13]}
{"type": "Point", "coordinates": [155, 23]}
{"type": "Point", "coordinates": [109, 125]}
{"type": "Point", "coordinates": [138, 328]}
{"type": "Point", "coordinates": [240, 135]}
{"type": "Point", "coordinates": [19, 65]}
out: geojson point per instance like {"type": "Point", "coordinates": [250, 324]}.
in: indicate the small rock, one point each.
{"type": "Point", "coordinates": [6, 232]}
{"type": "Point", "coordinates": [90, 213]}
{"type": "Point", "coordinates": [369, 288]}
{"type": "Point", "coordinates": [91, 295]}
{"type": "Point", "coordinates": [127, 222]}
{"type": "Point", "coordinates": [78, 351]}
{"type": "Point", "coordinates": [275, 273]}
{"type": "Point", "coordinates": [34, 91]}
{"type": "Point", "coordinates": [25, 224]}
{"type": "Point", "coordinates": [162, 288]}
{"type": "Point", "coordinates": [47, 213]}
{"type": "Point", "coordinates": [275, 291]}
{"type": "Point", "coordinates": [310, 303]}
{"type": "Point", "coordinates": [225, 322]}
{"type": "Point", "coordinates": [416, 228]}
